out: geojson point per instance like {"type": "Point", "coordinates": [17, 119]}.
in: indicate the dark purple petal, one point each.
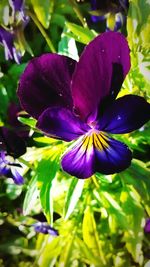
{"type": "Point", "coordinates": [62, 124]}
{"type": "Point", "coordinates": [96, 153]}
{"type": "Point", "coordinates": [46, 83]}
{"type": "Point", "coordinates": [45, 228]}
{"type": "Point", "coordinates": [12, 114]}
{"type": "Point", "coordinates": [100, 72]}
{"type": "Point", "coordinates": [147, 226]}
{"type": "Point", "coordinates": [125, 115]}
{"type": "Point", "coordinates": [12, 117]}
{"type": "Point", "coordinates": [16, 176]}
{"type": "Point", "coordinates": [11, 142]}
{"type": "Point", "coordinates": [113, 159]}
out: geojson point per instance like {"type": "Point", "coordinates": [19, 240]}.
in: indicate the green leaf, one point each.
{"type": "Point", "coordinates": [66, 255]}
{"type": "Point", "coordinates": [86, 252]}
{"type": "Point", "coordinates": [90, 235]}
{"type": "Point", "coordinates": [81, 34]}
{"type": "Point", "coordinates": [28, 121]}
{"type": "Point", "coordinates": [50, 252]}
{"type": "Point", "coordinates": [46, 172]}
{"type": "Point", "coordinates": [134, 218]}
{"type": "Point", "coordinates": [42, 11]}
{"type": "Point", "coordinates": [31, 196]}
{"type": "Point", "coordinates": [114, 209]}
{"type": "Point", "coordinates": [67, 46]}
{"type": "Point", "coordinates": [138, 23]}
{"type": "Point", "coordinates": [74, 193]}
{"type": "Point", "coordinates": [138, 176]}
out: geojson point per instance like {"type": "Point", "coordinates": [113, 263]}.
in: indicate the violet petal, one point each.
{"type": "Point", "coordinates": [96, 153]}
{"type": "Point", "coordinates": [100, 72]}
{"type": "Point", "coordinates": [125, 115]}
{"type": "Point", "coordinates": [62, 124]}
{"type": "Point", "coordinates": [46, 83]}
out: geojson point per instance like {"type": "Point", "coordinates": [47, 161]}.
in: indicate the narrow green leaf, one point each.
{"type": "Point", "coordinates": [90, 235]}
{"type": "Point", "coordinates": [50, 252]}
{"type": "Point", "coordinates": [66, 255]}
{"type": "Point", "coordinates": [83, 35]}
{"type": "Point", "coordinates": [114, 209]}
{"type": "Point", "coordinates": [67, 46]}
{"type": "Point", "coordinates": [74, 193]}
{"type": "Point", "coordinates": [31, 196]}
{"type": "Point", "coordinates": [133, 237]}
{"type": "Point", "coordinates": [46, 172]}
{"type": "Point", "coordinates": [42, 11]}
{"type": "Point", "coordinates": [28, 121]}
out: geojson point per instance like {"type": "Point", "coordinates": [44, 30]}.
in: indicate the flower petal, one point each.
{"type": "Point", "coordinates": [45, 228]}
{"type": "Point", "coordinates": [113, 159]}
{"type": "Point", "coordinates": [61, 123]}
{"type": "Point", "coordinates": [147, 226]}
{"type": "Point", "coordinates": [16, 176]}
{"type": "Point", "coordinates": [7, 40]}
{"type": "Point", "coordinates": [79, 160]}
{"type": "Point", "coordinates": [17, 5]}
{"type": "Point", "coordinates": [100, 72]}
{"type": "Point", "coordinates": [96, 153]}
{"type": "Point", "coordinates": [46, 83]}
{"type": "Point", "coordinates": [125, 115]}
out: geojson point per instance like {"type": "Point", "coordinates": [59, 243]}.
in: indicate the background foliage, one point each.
{"type": "Point", "coordinates": [100, 220]}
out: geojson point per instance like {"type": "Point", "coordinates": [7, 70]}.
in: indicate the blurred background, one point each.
{"type": "Point", "coordinates": [48, 218]}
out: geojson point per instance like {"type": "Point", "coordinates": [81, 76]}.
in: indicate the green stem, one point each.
{"type": "Point", "coordinates": [78, 13]}
{"type": "Point", "coordinates": [26, 163]}
{"type": "Point", "coordinates": [45, 35]}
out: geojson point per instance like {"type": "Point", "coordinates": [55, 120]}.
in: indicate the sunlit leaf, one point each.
{"type": "Point", "coordinates": [50, 252]}
{"type": "Point", "coordinates": [67, 46]}
{"type": "Point", "coordinates": [134, 216]}
{"type": "Point", "coordinates": [42, 9]}
{"type": "Point", "coordinates": [81, 34]}
{"type": "Point", "coordinates": [74, 193]}
{"type": "Point", "coordinates": [31, 196]}
{"type": "Point", "coordinates": [90, 235]}
{"type": "Point", "coordinates": [46, 172]}
{"type": "Point", "coordinates": [28, 121]}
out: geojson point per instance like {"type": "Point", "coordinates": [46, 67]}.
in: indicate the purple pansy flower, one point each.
{"type": "Point", "coordinates": [147, 226]}
{"type": "Point", "coordinates": [113, 12]}
{"type": "Point", "coordinates": [7, 40]}
{"type": "Point", "coordinates": [45, 228]}
{"type": "Point", "coordinates": [18, 6]}
{"type": "Point", "coordinates": [11, 147]}
{"type": "Point", "coordinates": [76, 101]}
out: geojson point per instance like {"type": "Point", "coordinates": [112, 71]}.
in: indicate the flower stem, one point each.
{"type": "Point", "coordinates": [26, 163]}
{"type": "Point", "coordinates": [78, 13]}
{"type": "Point", "coordinates": [43, 32]}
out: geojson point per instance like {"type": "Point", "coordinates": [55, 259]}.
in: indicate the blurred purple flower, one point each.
{"type": "Point", "coordinates": [18, 6]}
{"type": "Point", "coordinates": [76, 101]}
{"type": "Point", "coordinates": [7, 40]}
{"type": "Point", "coordinates": [11, 147]}
{"type": "Point", "coordinates": [112, 11]}
{"type": "Point", "coordinates": [147, 226]}
{"type": "Point", "coordinates": [45, 228]}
